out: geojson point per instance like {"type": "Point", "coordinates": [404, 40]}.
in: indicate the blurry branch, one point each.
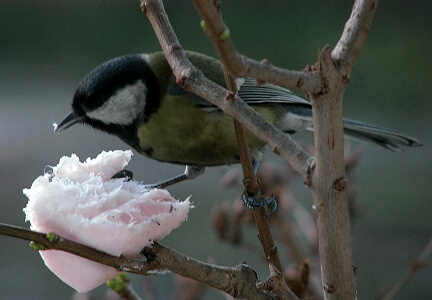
{"type": "Point", "coordinates": [416, 265]}
{"type": "Point", "coordinates": [240, 281]}
{"type": "Point", "coordinates": [192, 79]}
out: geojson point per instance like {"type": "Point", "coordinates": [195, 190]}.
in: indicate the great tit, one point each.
{"type": "Point", "coordinates": [136, 98]}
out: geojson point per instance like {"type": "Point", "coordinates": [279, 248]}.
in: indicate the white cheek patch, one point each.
{"type": "Point", "coordinates": [124, 106]}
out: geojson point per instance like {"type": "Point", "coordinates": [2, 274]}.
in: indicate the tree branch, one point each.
{"type": "Point", "coordinates": [240, 66]}
{"type": "Point", "coordinates": [240, 281]}
{"type": "Point", "coordinates": [329, 179]}
{"type": "Point", "coordinates": [347, 50]}
{"type": "Point", "coordinates": [252, 187]}
{"type": "Point", "coordinates": [328, 186]}
{"type": "Point", "coordinates": [59, 243]}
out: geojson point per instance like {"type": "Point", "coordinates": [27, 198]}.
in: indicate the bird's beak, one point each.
{"type": "Point", "coordinates": [67, 122]}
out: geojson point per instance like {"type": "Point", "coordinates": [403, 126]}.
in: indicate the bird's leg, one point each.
{"type": "Point", "coordinates": [191, 172]}
{"type": "Point", "coordinates": [256, 164]}
{"type": "Point", "coordinates": [126, 174]}
{"type": "Point", "coordinates": [258, 201]}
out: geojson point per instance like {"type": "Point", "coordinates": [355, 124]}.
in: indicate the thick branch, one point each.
{"type": "Point", "coordinates": [329, 179]}
{"type": "Point", "coordinates": [239, 281]}
{"type": "Point", "coordinates": [193, 80]}
{"type": "Point", "coordinates": [328, 187]}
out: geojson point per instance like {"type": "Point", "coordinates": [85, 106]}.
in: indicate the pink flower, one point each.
{"type": "Point", "coordinates": [81, 202]}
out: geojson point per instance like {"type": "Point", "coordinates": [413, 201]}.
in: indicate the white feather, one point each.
{"type": "Point", "coordinates": [124, 106]}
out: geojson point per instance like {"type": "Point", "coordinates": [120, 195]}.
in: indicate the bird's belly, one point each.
{"type": "Point", "coordinates": [207, 139]}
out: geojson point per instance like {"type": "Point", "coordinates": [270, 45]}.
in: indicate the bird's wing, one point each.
{"type": "Point", "coordinates": [249, 91]}
{"type": "Point", "coordinates": [174, 89]}
{"type": "Point", "coordinates": [253, 93]}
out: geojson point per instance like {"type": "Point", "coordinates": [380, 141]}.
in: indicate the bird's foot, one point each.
{"type": "Point", "coordinates": [126, 174]}
{"type": "Point", "coordinates": [258, 201]}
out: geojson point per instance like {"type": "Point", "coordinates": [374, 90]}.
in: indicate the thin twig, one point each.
{"type": "Point", "coordinates": [59, 243]}
{"type": "Point", "coordinates": [264, 232]}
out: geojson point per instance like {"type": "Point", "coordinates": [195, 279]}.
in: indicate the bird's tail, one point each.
{"type": "Point", "coordinates": [298, 118]}
{"type": "Point", "coordinates": [384, 137]}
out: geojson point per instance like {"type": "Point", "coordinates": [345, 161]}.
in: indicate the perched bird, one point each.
{"type": "Point", "coordinates": [136, 98]}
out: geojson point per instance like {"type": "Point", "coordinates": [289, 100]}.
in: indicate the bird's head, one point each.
{"type": "Point", "coordinates": [114, 96]}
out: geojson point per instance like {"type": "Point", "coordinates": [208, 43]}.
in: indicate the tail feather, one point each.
{"type": "Point", "coordinates": [299, 117]}
{"type": "Point", "coordinates": [384, 137]}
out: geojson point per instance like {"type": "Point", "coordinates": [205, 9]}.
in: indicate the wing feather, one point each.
{"type": "Point", "coordinates": [252, 93]}
{"type": "Point", "coordinates": [249, 91]}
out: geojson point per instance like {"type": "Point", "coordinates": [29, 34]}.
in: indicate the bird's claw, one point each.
{"type": "Point", "coordinates": [258, 201]}
{"type": "Point", "coordinates": [126, 174]}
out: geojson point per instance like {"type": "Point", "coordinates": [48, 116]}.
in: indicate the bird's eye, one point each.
{"type": "Point", "coordinates": [99, 101]}
{"type": "Point", "coordinates": [94, 101]}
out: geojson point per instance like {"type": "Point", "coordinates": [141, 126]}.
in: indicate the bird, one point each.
{"type": "Point", "coordinates": [136, 98]}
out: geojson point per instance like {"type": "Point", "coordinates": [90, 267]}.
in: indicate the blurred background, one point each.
{"type": "Point", "coordinates": [46, 47]}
